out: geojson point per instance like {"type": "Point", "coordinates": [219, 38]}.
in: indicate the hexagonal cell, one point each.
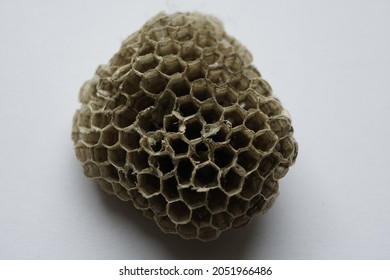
{"type": "Point", "coordinates": [187, 231]}
{"type": "Point", "coordinates": [139, 201]}
{"type": "Point", "coordinates": [286, 147]}
{"type": "Point", "coordinates": [252, 186]}
{"type": "Point", "coordinates": [158, 204]}
{"type": "Point", "coordinates": [224, 156]}
{"type": "Point", "coordinates": [233, 63]}
{"type": "Point", "coordinates": [84, 153]}
{"type": "Point", "coordinates": [131, 84]}
{"type": "Point", "coordinates": [239, 82]}
{"type": "Point", "coordinates": [184, 33]}
{"type": "Point", "coordinates": [211, 112]}
{"type": "Point", "coordinates": [270, 188]}
{"type": "Point", "coordinates": [237, 206]}
{"type": "Point", "coordinates": [101, 119]}
{"type": "Point", "coordinates": [262, 87]}
{"type": "Point", "coordinates": [109, 136]}
{"type": "Point", "coordinates": [143, 102]}
{"type": "Point", "coordinates": [202, 90]}
{"type": "Point", "coordinates": [201, 150]}
{"type": "Point", "coordinates": [206, 176]}
{"type": "Point", "coordinates": [256, 121]}
{"type": "Point", "coordinates": [192, 197]}
{"type": "Point", "coordinates": [109, 172]}
{"type": "Point", "coordinates": [125, 117]}
{"type": "Point", "coordinates": [241, 221]}
{"type": "Point", "coordinates": [225, 48]}
{"type": "Point", "coordinates": [149, 214]}
{"type": "Point", "coordinates": [184, 170]}
{"type": "Point", "coordinates": [280, 171]}
{"type": "Point", "coordinates": [281, 126]}
{"type": "Point", "coordinates": [99, 154]}
{"type": "Point", "coordinates": [117, 156]}
{"type": "Point", "coordinates": [167, 47]}
{"type": "Point", "coordinates": [179, 146]}
{"type": "Point", "coordinates": [91, 170]}
{"type": "Point", "coordinates": [231, 182]}
{"type": "Point", "coordinates": [154, 82]}
{"type": "Point", "coordinates": [218, 76]}
{"type": "Point", "coordinates": [201, 217]}
{"type": "Point", "coordinates": [91, 138]}
{"type": "Point", "coordinates": [216, 200]}
{"type": "Point", "coordinates": [145, 63]}
{"type": "Point", "coordinates": [256, 205]}
{"type": "Point", "coordinates": [165, 224]}
{"type": "Point", "coordinates": [248, 101]}
{"type": "Point", "coordinates": [248, 160]}
{"type": "Point", "coordinates": [147, 48]}
{"type": "Point", "coordinates": [271, 107]}
{"type": "Point", "coordinates": [147, 122]}
{"type": "Point", "coordinates": [179, 86]}
{"type": "Point", "coordinates": [195, 70]}
{"type": "Point", "coordinates": [240, 138]}
{"type": "Point", "coordinates": [188, 107]}
{"type": "Point", "coordinates": [179, 212]}
{"type": "Point", "coordinates": [139, 159]}
{"type": "Point", "coordinates": [235, 115]}
{"type": "Point", "coordinates": [267, 165]}
{"type": "Point", "coordinates": [222, 221]}
{"type": "Point", "coordinates": [162, 162]}
{"type": "Point", "coordinates": [171, 65]}
{"type": "Point", "coordinates": [207, 234]}
{"type": "Point", "coordinates": [225, 96]}
{"type": "Point", "coordinates": [265, 141]}
{"type": "Point", "coordinates": [169, 189]}
{"type": "Point", "coordinates": [189, 51]}
{"type": "Point", "coordinates": [148, 184]}
{"type": "Point", "coordinates": [205, 39]}
{"type": "Point", "coordinates": [211, 56]}
{"type": "Point", "coordinates": [221, 135]}
{"type": "Point", "coordinates": [171, 123]}
{"type": "Point", "coordinates": [194, 128]}
{"type": "Point", "coordinates": [130, 139]}
{"type": "Point", "coordinates": [164, 106]}
{"type": "Point", "coordinates": [160, 33]}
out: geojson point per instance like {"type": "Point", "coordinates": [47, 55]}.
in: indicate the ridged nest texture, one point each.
{"type": "Point", "coordinates": [180, 123]}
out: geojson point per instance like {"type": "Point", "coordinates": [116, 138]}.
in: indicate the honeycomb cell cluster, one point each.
{"type": "Point", "coordinates": [180, 123]}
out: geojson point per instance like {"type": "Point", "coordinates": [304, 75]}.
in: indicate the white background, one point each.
{"type": "Point", "coordinates": [328, 62]}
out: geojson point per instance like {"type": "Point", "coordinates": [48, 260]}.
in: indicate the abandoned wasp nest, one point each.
{"type": "Point", "coordinates": [180, 123]}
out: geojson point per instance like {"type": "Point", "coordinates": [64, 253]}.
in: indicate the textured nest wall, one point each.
{"type": "Point", "coordinates": [180, 123]}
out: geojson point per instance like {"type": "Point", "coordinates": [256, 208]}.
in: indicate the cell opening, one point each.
{"type": "Point", "coordinates": [117, 156]}
{"type": "Point", "coordinates": [109, 172]}
{"type": "Point", "coordinates": [101, 119]}
{"type": "Point", "coordinates": [132, 84]}
{"type": "Point", "coordinates": [190, 52]}
{"type": "Point", "coordinates": [179, 146]}
{"type": "Point", "coordinates": [130, 139]}
{"type": "Point", "coordinates": [99, 154]}
{"type": "Point", "coordinates": [265, 141]}
{"type": "Point", "coordinates": [267, 164]}
{"type": "Point", "coordinates": [148, 184]}
{"type": "Point", "coordinates": [154, 82]}
{"type": "Point", "coordinates": [143, 102]}
{"type": "Point", "coordinates": [179, 86]}
{"type": "Point", "coordinates": [195, 71]}
{"type": "Point", "coordinates": [239, 139]}
{"type": "Point", "coordinates": [201, 90]}
{"type": "Point", "coordinates": [271, 108]}
{"type": "Point", "coordinates": [225, 96]}
{"type": "Point", "coordinates": [171, 124]}
{"type": "Point", "coordinates": [109, 136]}
{"type": "Point", "coordinates": [187, 231]}
{"type": "Point", "coordinates": [216, 200]}
{"type": "Point", "coordinates": [232, 181]}
{"type": "Point", "coordinates": [247, 160]}
{"type": "Point", "coordinates": [145, 63]}
{"type": "Point", "coordinates": [252, 186]}
{"type": "Point", "coordinates": [158, 204]}
{"type": "Point", "coordinates": [222, 221]}
{"type": "Point", "coordinates": [233, 63]}
{"type": "Point", "coordinates": [193, 129]}
{"type": "Point", "coordinates": [169, 188]}
{"type": "Point", "coordinates": [211, 113]}
{"type": "Point", "coordinates": [256, 121]}
{"type": "Point", "coordinates": [201, 217]}
{"type": "Point", "coordinates": [223, 156]}
{"type": "Point", "coordinates": [139, 159]}
{"type": "Point", "coordinates": [218, 76]}
{"type": "Point", "coordinates": [192, 197]}
{"type": "Point", "coordinates": [124, 118]}
{"type": "Point", "coordinates": [163, 163]}
{"type": "Point", "coordinates": [235, 117]}
{"type": "Point", "coordinates": [237, 206]}
{"type": "Point", "coordinates": [206, 177]}
{"type": "Point", "coordinates": [178, 212]}
{"type": "Point", "coordinates": [167, 47]}
{"type": "Point", "coordinates": [188, 108]}
{"type": "Point", "coordinates": [184, 171]}
{"type": "Point", "coordinates": [171, 65]}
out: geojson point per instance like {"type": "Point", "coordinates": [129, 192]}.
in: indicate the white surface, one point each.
{"type": "Point", "coordinates": [329, 63]}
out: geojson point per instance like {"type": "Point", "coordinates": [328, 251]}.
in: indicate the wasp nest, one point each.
{"type": "Point", "coordinates": [180, 123]}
